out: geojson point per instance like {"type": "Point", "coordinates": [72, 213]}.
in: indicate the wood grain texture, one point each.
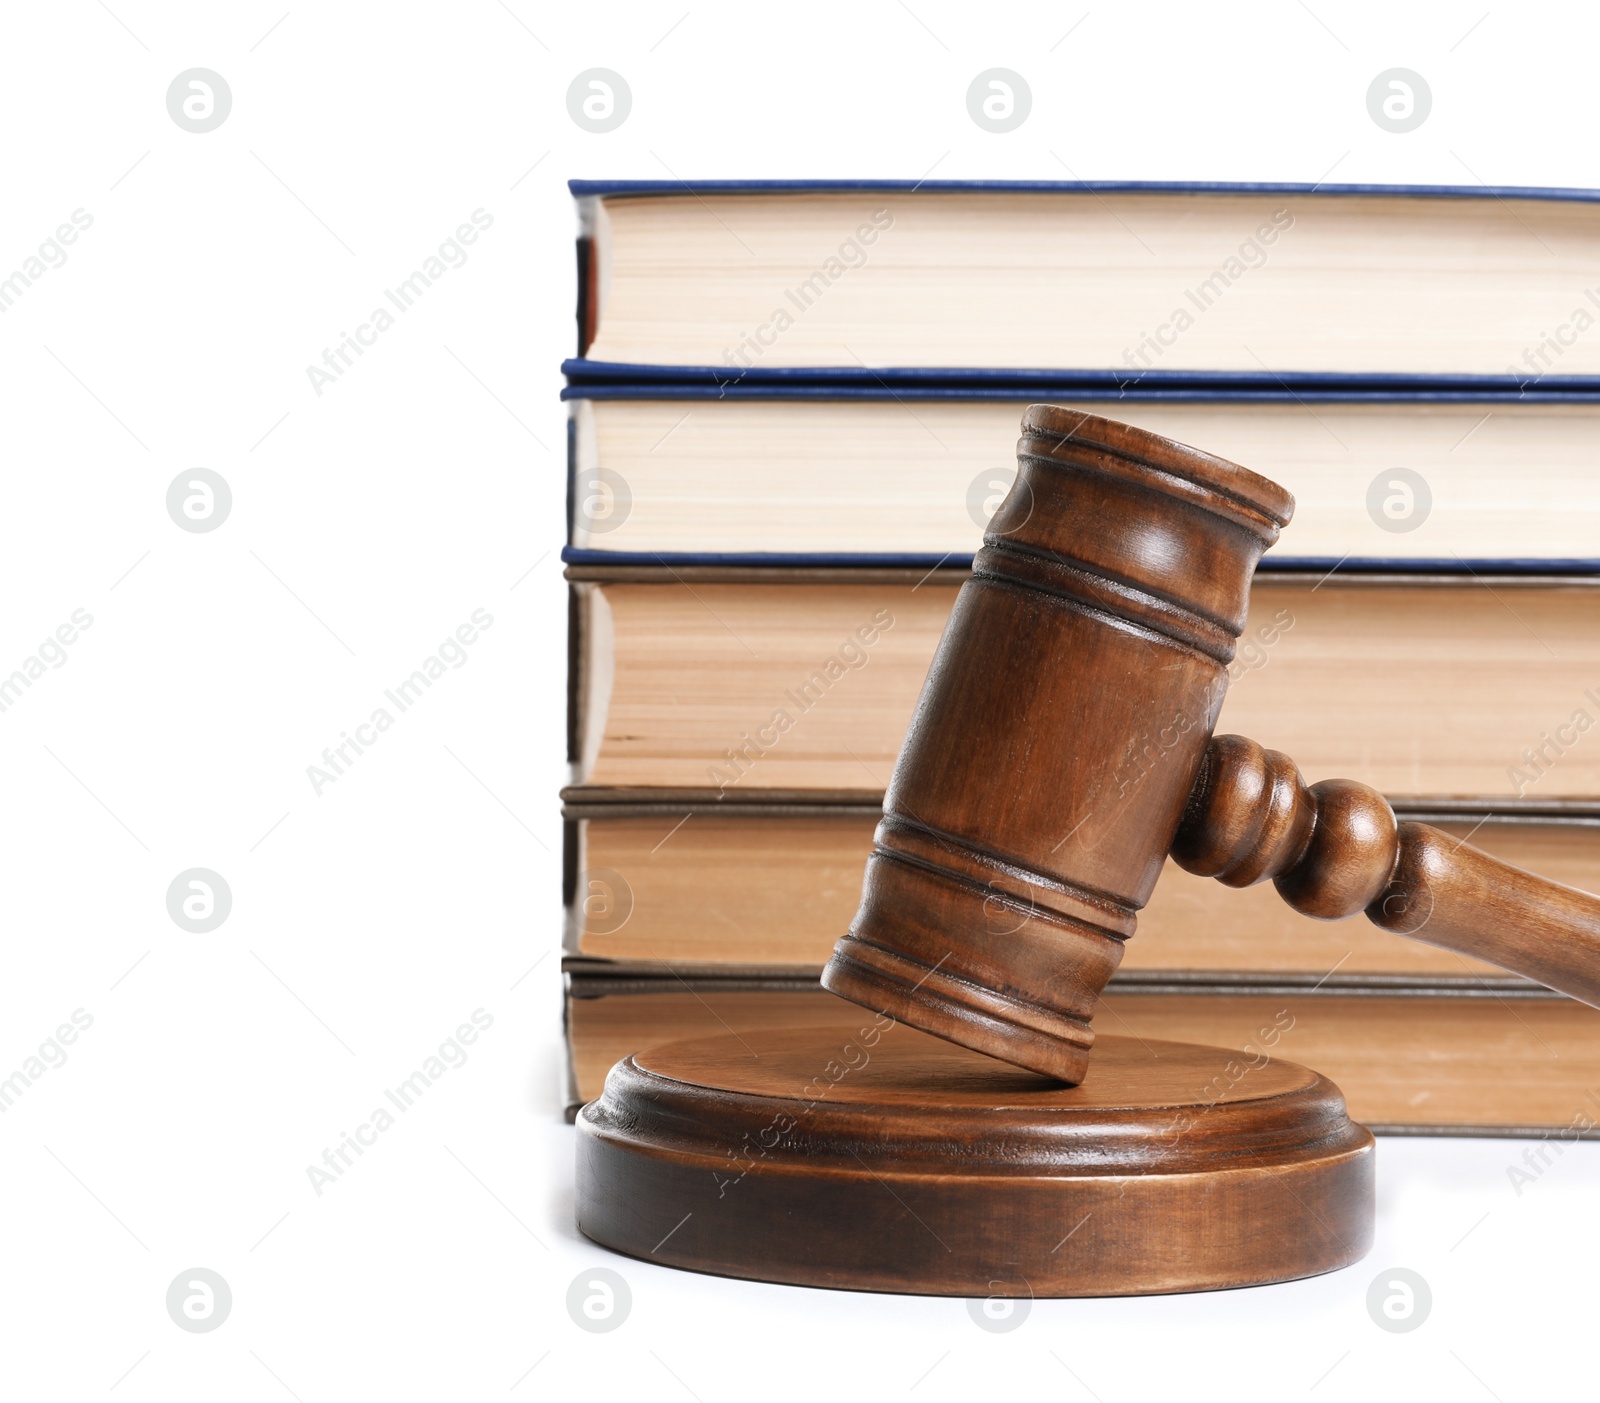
{"type": "Point", "coordinates": [601, 1031]}
{"type": "Point", "coordinates": [1062, 747]}
{"type": "Point", "coordinates": [870, 1157]}
{"type": "Point", "coordinates": [1449, 894]}
{"type": "Point", "coordinates": [1334, 848]}
{"type": "Point", "coordinates": [1057, 738]}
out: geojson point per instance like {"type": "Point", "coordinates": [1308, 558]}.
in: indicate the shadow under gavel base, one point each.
{"type": "Point", "coordinates": [873, 1157]}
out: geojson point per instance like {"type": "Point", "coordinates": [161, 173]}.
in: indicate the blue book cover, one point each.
{"type": "Point", "coordinates": [598, 381]}
{"type": "Point", "coordinates": [604, 189]}
{"type": "Point", "coordinates": [734, 379]}
{"type": "Point", "coordinates": [924, 390]}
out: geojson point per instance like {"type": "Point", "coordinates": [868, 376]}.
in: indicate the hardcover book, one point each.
{"type": "Point", "coordinates": [1465, 687]}
{"type": "Point", "coordinates": [792, 416]}
{"type": "Point", "coordinates": [1097, 282]}
{"type": "Point", "coordinates": [1442, 482]}
{"type": "Point", "coordinates": [1409, 1057]}
{"type": "Point", "coordinates": [699, 884]}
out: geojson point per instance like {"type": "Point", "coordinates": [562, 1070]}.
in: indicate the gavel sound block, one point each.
{"type": "Point", "coordinates": [873, 1157]}
{"type": "Point", "coordinates": [1061, 747]}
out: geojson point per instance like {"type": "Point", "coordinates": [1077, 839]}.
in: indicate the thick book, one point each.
{"type": "Point", "coordinates": [1443, 482]}
{"type": "Point", "coordinates": [1469, 1056]}
{"type": "Point", "coordinates": [709, 886]}
{"type": "Point", "coordinates": [1099, 283]}
{"type": "Point", "coordinates": [1470, 687]}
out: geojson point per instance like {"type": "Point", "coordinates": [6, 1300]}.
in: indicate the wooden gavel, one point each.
{"type": "Point", "coordinates": [1063, 746]}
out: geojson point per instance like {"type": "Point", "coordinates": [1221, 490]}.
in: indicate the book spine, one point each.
{"type": "Point", "coordinates": [574, 675]}
{"type": "Point", "coordinates": [586, 295]}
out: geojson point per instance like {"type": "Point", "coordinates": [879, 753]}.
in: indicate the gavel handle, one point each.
{"type": "Point", "coordinates": [1335, 848]}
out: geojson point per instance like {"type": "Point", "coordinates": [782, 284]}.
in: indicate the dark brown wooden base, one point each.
{"type": "Point", "coordinates": [873, 1157]}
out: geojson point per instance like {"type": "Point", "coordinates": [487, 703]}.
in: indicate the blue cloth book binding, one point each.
{"type": "Point", "coordinates": [1532, 386]}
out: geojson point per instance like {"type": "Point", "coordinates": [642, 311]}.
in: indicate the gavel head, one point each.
{"type": "Point", "coordinates": [1057, 739]}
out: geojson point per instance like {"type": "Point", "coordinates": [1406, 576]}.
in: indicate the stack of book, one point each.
{"type": "Point", "coordinates": [795, 408]}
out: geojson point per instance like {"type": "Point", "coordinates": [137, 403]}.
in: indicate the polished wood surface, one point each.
{"type": "Point", "coordinates": [1335, 848]}
{"type": "Point", "coordinates": [1058, 735]}
{"type": "Point", "coordinates": [1062, 747]}
{"type": "Point", "coordinates": [869, 1156]}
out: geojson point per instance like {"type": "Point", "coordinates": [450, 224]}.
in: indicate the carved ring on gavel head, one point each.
{"type": "Point", "coordinates": [1062, 748]}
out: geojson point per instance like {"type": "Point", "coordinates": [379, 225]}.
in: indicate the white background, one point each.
{"type": "Point", "coordinates": [369, 522]}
